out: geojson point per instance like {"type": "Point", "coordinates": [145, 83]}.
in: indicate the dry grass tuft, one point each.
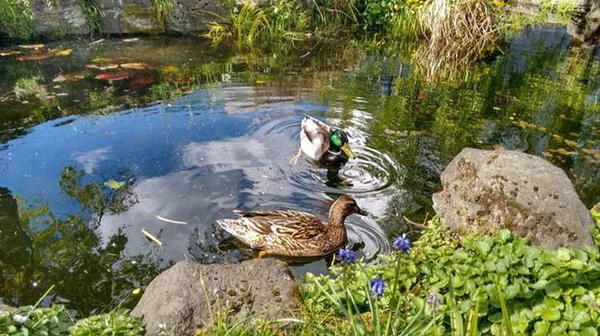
{"type": "Point", "coordinates": [460, 32]}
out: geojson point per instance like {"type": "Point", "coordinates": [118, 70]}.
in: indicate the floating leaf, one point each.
{"type": "Point", "coordinates": [114, 184]}
{"type": "Point", "coordinates": [72, 77]}
{"type": "Point", "coordinates": [9, 52]}
{"type": "Point", "coordinates": [141, 81]}
{"type": "Point", "coordinates": [113, 76]}
{"type": "Point", "coordinates": [63, 52]}
{"type": "Point", "coordinates": [102, 67]}
{"type": "Point", "coordinates": [34, 57]}
{"type": "Point", "coordinates": [571, 143]}
{"type": "Point", "coordinates": [31, 46]}
{"type": "Point", "coordinates": [135, 66]}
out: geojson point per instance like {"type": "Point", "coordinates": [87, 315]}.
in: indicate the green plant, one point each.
{"type": "Point", "coordinates": [29, 87]}
{"type": "Point", "coordinates": [15, 19]}
{"type": "Point", "coordinates": [53, 321]}
{"type": "Point", "coordinates": [244, 25]}
{"type": "Point", "coordinates": [116, 323]}
{"type": "Point", "coordinates": [93, 15]}
{"type": "Point", "coordinates": [542, 291]}
{"type": "Point", "coordinates": [162, 9]}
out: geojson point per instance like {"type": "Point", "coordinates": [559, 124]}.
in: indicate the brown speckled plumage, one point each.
{"type": "Point", "coordinates": [293, 233]}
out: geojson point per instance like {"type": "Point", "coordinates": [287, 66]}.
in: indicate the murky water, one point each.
{"type": "Point", "coordinates": [191, 133]}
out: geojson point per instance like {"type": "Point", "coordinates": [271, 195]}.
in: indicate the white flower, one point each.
{"type": "Point", "coordinates": [20, 318]}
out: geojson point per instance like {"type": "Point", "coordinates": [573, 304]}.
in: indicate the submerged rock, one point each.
{"type": "Point", "coordinates": [186, 296]}
{"type": "Point", "coordinates": [485, 191]}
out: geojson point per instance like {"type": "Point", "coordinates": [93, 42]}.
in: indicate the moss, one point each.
{"type": "Point", "coordinates": [140, 19]}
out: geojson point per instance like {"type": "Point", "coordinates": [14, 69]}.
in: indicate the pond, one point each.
{"type": "Point", "coordinates": [166, 135]}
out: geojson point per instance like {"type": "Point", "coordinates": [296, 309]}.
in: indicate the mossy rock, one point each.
{"type": "Point", "coordinates": [139, 19]}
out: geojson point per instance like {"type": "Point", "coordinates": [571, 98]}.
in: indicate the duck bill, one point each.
{"type": "Point", "coordinates": [346, 149]}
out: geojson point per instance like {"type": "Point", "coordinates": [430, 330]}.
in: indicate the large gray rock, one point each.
{"type": "Point", "coordinates": [59, 18]}
{"type": "Point", "coordinates": [484, 191]}
{"type": "Point", "coordinates": [585, 23]}
{"type": "Point", "coordinates": [176, 300]}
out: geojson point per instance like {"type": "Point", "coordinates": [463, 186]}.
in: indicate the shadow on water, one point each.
{"type": "Point", "coordinates": [87, 165]}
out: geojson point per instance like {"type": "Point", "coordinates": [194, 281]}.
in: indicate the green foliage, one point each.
{"type": "Point", "coordinates": [15, 19]}
{"type": "Point", "coordinates": [29, 87]}
{"type": "Point", "coordinates": [561, 9]}
{"type": "Point", "coordinates": [543, 291]}
{"type": "Point", "coordinates": [116, 323]}
{"type": "Point", "coordinates": [93, 16]}
{"type": "Point", "coordinates": [162, 9]}
{"type": "Point", "coordinates": [53, 321]}
{"type": "Point", "coordinates": [244, 25]}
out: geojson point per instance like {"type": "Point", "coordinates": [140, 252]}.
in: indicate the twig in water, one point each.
{"type": "Point", "coordinates": [159, 217]}
{"type": "Point", "coordinates": [152, 237]}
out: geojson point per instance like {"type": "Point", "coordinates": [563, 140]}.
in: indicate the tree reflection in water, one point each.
{"type": "Point", "coordinates": [40, 248]}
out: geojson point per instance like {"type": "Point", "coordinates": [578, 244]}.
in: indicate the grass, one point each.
{"type": "Point", "coordinates": [92, 14]}
{"type": "Point", "coordinates": [163, 9]}
{"type": "Point", "coordinates": [459, 32]}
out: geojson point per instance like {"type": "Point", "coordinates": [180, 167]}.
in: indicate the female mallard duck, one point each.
{"type": "Point", "coordinates": [322, 143]}
{"type": "Point", "coordinates": [293, 233]}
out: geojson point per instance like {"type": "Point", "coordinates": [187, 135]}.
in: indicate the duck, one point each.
{"type": "Point", "coordinates": [322, 143]}
{"type": "Point", "coordinates": [293, 233]}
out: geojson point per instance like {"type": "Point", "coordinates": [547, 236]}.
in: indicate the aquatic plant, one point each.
{"type": "Point", "coordinates": [29, 87]}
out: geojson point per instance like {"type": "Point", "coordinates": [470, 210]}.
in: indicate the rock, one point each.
{"type": "Point", "coordinates": [485, 191]}
{"type": "Point", "coordinates": [60, 19]}
{"type": "Point", "coordinates": [7, 309]}
{"type": "Point", "coordinates": [188, 16]}
{"type": "Point", "coordinates": [585, 22]}
{"type": "Point", "coordinates": [175, 301]}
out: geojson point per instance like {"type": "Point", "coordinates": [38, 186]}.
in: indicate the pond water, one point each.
{"type": "Point", "coordinates": [184, 133]}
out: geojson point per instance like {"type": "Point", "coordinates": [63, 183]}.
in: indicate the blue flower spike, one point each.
{"type": "Point", "coordinates": [346, 255]}
{"type": "Point", "coordinates": [402, 243]}
{"type": "Point", "coordinates": [377, 286]}
{"type": "Point", "coordinates": [434, 301]}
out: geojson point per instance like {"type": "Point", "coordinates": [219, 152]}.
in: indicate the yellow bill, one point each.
{"type": "Point", "coordinates": [346, 149]}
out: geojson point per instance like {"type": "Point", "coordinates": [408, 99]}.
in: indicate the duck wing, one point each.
{"type": "Point", "coordinates": [313, 137]}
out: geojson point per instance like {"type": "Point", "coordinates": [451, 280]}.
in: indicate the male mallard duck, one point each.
{"type": "Point", "coordinates": [322, 143]}
{"type": "Point", "coordinates": [293, 233]}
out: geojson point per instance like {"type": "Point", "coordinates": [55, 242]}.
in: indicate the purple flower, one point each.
{"type": "Point", "coordinates": [346, 255]}
{"type": "Point", "coordinates": [434, 300]}
{"type": "Point", "coordinates": [402, 243]}
{"type": "Point", "coordinates": [377, 286]}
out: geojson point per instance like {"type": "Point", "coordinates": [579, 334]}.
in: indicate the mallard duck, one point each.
{"type": "Point", "coordinates": [293, 233]}
{"type": "Point", "coordinates": [322, 143]}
